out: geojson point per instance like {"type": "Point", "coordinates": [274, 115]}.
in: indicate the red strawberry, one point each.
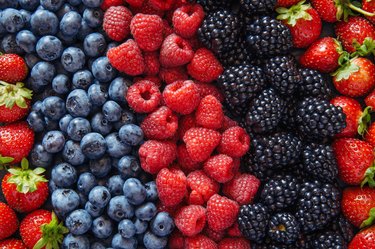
{"type": "Point", "coordinates": [16, 141]}
{"type": "Point", "coordinates": [13, 68]}
{"type": "Point", "coordinates": [116, 22]}
{"type": "Point", "coordinates": [365, 239]}
{"type": "Point", "coordinates": [14, 102]}
{"type": "Point", "coordinates": [242, 188]}
{"type": "Point", "coordinates": [369, 6]}
{"type": "Point", "coordinates": [8, 221]}
{"type": "Point", "coordinates": [323, 55]}
{"type": "Point", "coordinates": [190, 220]}
{"type": "Point", "coordinates": [370, 135]}
{"type": "Point", "coordinates": [304, 23]}
{"type": "Point", "coordinates": [354, 160]}
{"type": "Point", "coordinates": [355, 77]}
{"type": "Point", "coordinates": [41, 229]}
{"type": "Point", "coordinates": [286, 3]}
{"type": "Point", "coordinates": [358, 205]}
{"type": "Point", "coordinates": [24, 189]}
{"type": "Point", "coordinates": [12, 244]}
{"type": "Point", "coordinates": [221, 212]}
{"type": "Point", "coordinates": [172, 186]}
{"type": "Point", "coordinates": [370, 100]}
{"type": "Point", "coordinates": [209, 113]}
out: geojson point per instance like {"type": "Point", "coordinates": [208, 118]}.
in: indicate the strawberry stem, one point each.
{"type": "Point", "coordinates": [364, 121]}
{"type": "Point", "coordinates": [294, 13]}
{"type": "Point", "coordinates": [370, 219]}
{"type": "Point", "coordinates": [369, 177]}
{"type": "Point", "coordinates": [359, 10]}
{"type": "Point", "coordinates": [367, 47]}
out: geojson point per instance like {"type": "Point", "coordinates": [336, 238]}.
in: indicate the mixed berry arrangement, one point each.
{"type": "Point", "coordinates": [187, 124]}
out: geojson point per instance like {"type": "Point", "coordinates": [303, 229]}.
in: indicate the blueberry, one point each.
{"type": "Point", "coordinates": [73, 59]}
{"type": "Point", "coordinates": [82, 79]}
{"type": "Point", "coordinates": [151, 241]}
{"type": "Point", "coordinates": [112, 45]}
{"type": "Point", "coordinates": [64, 175]}
{"type": "Point", "coordinates": [152, 191]}
{"type": "Point", "coordinates": [72, 153]}
{"type": "Point", "coordinates": [99, 196]}
{"type": "Point", "coordinates": [53, 141]}
{"type": "Point", "coordinates": [118, 242]}
{"type": "Point", "coordinates": [64, 201]}
{"type": "Point", "coordinates": [75, 242]}
{"type": "Point", "coordinates": [112, 111]}
{"type": "Point", "coordinates": [26, 15]}
{"type": "Point", "coordinates": [93, 17]}
{"type": "Point", "coordinates": [84, 31]}
{"type": "Point", "coordinates": [26, 40]}
{"type": "Point", "coordinates": [75, 2]}
{"type": "Point", "coordinates": [29, 5]}
{"type": "Point", "coordinates": [126, 228]}
{"type": "Point", "coordinates": [162, 224]}
{"type": "Point", "coordinates": [12, 20]}
{"type": "Point", "coordinates": [70, 24]}
{"type": "Point", "coordinates": [131, 134]}
{"type": "Point", "coordinates": [61, 84]}
{"type": "Point", "coordinates": [102, 227]}
{"type": "Point", "coordinates": [67, 40]}
{"type": "Point", "coordinates": [128, 166]}
{"type": "Point", "coordinates": [94, 45]}
{"type": "Point", "coordinates": [134, 191]}
{"type": "Point", "coordinates": [119, 208]}
{"type": "Point", "coordinates": [100, 124]}
{"type": "Point", "coordinates": [103, 70]}
{"type": "Point", "coordinates": [78, 222]}
{"type": "Point", "coordinates": [44, 22]}
{"type": "Point", "coordinates": [92, 3]}
{"type": "Point", "coordinates": [146, 211]}
{"type": "Point", "coordinates": [49, 48]}
{"type": "Point", "coordinates": [86, 182]}
{"type": "Point", "coordinates": [8, 4]}
{"type": "Point", "coordinates": [42, 74]}
{"type": "Point", "coordinates": [101, 167]}
{"type": "Point", "coordinates": [64, 122]}
{"type": "Point", "coordinates": [115, 184]}
{"type": "Point", "coordinates": [51, 124]}
{"type": "Point", "coordinates": [115, 147]}
{"type": "Point", "coordinates": [52, 186]}
{"type": "Point", "coordinates": [97, 245]}
{"type": "Point", "coordinates": [31, 60]}
{"type": "Point", "coordinates": [53, 107]}
{"type": "Point", "coordinates": [118, 89]}
{"type": "Point", "coordinates": [93, 210]}
{"type": "Point", "coordinates": [10, 46]}
{"type": "Point", "coordinates": [36, 121]}
{"type": "Point", "coordinates": [39, 157]}
{"type": "Point", "coordinates": [93, 145]}
{"type": "Point", "coordinates": [98, 94]}
{"type": "Point", "coordinates": [127, 117]}
{"type": "Point", "coordinates": [65, 8]}
{"type": "Point", "coordinates": [78, 128]}
{"type": "Point", "coordinates": [52, 5]}
{"type": "Point", "coordinates": [78, 103]}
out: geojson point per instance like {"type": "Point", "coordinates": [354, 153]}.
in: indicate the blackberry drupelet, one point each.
{"type": "Point", "coordinates": [280, 192]}
{"type": "Point", "coordinates": [329, 240]}
{"type": "Point", "coordinates": [268, 37]}
{"type": "Point", "coordinates": [265, 112]}
{"type": "Point", "coordinates": [237, 56]}
{"type": "Point", "coordinates": [258, 6]}
{"type": "Point", "coordinates": [283, 228]}
{"type": "Point", "coordinates": [317, 206]}
{"type": "Point", "coordinates": [214, 5]}
{"type": "Point", "coordinates": [288, 117]}
{"type": "Point", "coordinates": [261, 171]}
{"type": "Point", "coordinates": [253, 221]}
{"type": "Point", "coordinates": [240, 84]}
{"type": "Point", "coordinates": [317, 119]}
{"type": "Point", "coordinates": [319, 162]}
{"type": "Point", "coordinates": [219, 31]}
{"type": "Point", "coordinates": [342, 226]}
{"type": "Point", "coordinates": [314, 84]}
{"type": "Point", "coordinates": [283, 74]}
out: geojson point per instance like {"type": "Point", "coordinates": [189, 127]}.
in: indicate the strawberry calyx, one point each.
{"type": "Point", "coordinates": [4, 160]}
{"type": "Point", "coordinates": [370, 220]}
{"type": "Point", "coordinates": [294, 13]}
{"type": "Point", "coordinates": [364, 121]}
{"type": "Point", "coordinates": [364, 49]}
{"type": "Point", "coordinates": [347, 67]}
{"type": "Point", "coordinates": [369, 177]}
{"type": "Point", "coordinates": [26, 179]}
{"type": "Point", "coordinates": [11, 94]}
{"type": "Point", "coordinates": [52, 234]}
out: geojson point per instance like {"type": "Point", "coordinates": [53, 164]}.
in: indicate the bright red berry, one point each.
{"type": "Point", "coordinates": [235, 142]}
{"type": "Point", "coordinates": [190, 220]}
{"type": "Point", "coordinates": [13, 68]}
{"type": "Point", "coordinates": [12, 244]}
{"type": "Point", "coordinates": [135, 3]}
{"type": "Point", "coordinates": [220, 168]}
{"type": "Point", "coordinates": [187, 20]}
{"type": "Point", "coordinates": [8, 221]}
{"type": "Point", "coordinates": [175, 51]}
{"type": "Point", "coordinates": [168, 30]}
{"type": "Point", "coordinates": [199, 242]}
{"type": "Point", "coordinates": [221, 212]}
{"type": "Point", "coordinates": [228, 123]}
{"type": "Point", "coordinates": [143, 96]}
{"type": "Point", "coordinates": [152, 64]}
{"type": "Point", "coordinates": [184, 160]}
{"type": "Point", "coordinates": [127, 58]}
{"type": "Point", "coordinates": [148, 9]}
{"type": "Point", "coordinates": [286, 3]}
{"type": "Point", "coordinates": [170, 75]}
{"type": "Point", "coordinates": [109, 3]}
{"type": "Point", "coordinates": [210, 113]}
{"type": "Point", "coordinates": [234, 243]}
{"type": "Point", "coordinates": [214, 235]}
{"type": "Point", "coordinates": [234, 231]}
{"type": "Point", "coordinates": [242, 188]}
{"type": "Point", "coordinates": [185, 123]}
{"type": "Point", "coordinates": [172, 186]}
{"type": "Point", "coordinates": [370, 135]}
{"type": "Point", "coordinates": [116, 22]}
{"type": "Point", "coordinates": [201, 184]}
{"type": "Point", "coordinates": [161, 124]}
{"type": "Point", "coordinates": [156, 155]}
{"type": "Point", "coordinates": [370, 100]}
{"type": "Point", "coordinates": [204, 66]}
{"type": "Point", "coordinates": [176, 240]}
{"type": "Point", "coordinates": [364, 239]}
{"type": "Point", "coordinates": [208, 89]}
{"type": "Point", "coordinates": [162, 4]}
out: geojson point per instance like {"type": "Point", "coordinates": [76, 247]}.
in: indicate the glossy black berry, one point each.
{"type": "Point", "coordinates": [258, 6]}
{"type": "Point", "coordinates": [253, 221]}
{"type": "Point", "coordinates": [329, 240]}
{"type": "Point", "coordinates": [283, 228]}
{"type": "Point", "coordinates": [314, 84]}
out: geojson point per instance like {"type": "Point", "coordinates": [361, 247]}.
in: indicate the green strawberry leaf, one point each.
{"type": "Point", "coordinates": [11, 94]}
{"type": "Point", "coordinates": [364, 121]}
{"type": "Point", "coordinates": [294, 13]}
{"type": "Point", "coordinates": [52, 234]}
{"type": "Point", "coordinates": [367, 47]}
{"type": "Point", "coordinates": [345, 69]}
{"type": "Point", "coordinates": [370, 219]}
{"type": "Point", "coordinates": [369, 177]}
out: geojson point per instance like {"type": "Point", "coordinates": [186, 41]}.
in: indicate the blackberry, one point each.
{"type": "Point", "coordinates": [258, 6]}
{"type": "Point", "coordinates": [253, 221]}
{"type": "Point", "coordinates": [214, 5]}
{"type": "Point", "coordinates": [261, 171]}
{"type": "Point", "coordinates": [342, 226]}
{"type": "Point", "coordinates": [283, 74]}
{"type": "Point", "coordinates": [283, 228]}
{"type": "Point", "coordinates": [280, 192]}
{"type": "Point", "coordinates": [288, 117]}
{"type": "Point", "coordinates": [240, 84]}
{"type": "Point", "coordinates": [319, 162]}
{"type": "Point", "coordinates": [317, 119]}
{"type": "Point", "coordinates": [236, 56]}
{"type": "Point", "coordinates": [314, 84]}
{"type": "Point", "coordinates": [265, 112]}
{"type": "Point", "coordinates": [219, 31]}
{"type": "Point", "coordinates": [329, 240]}
{"type": "Point", "coordinates": [267, 37]}
{"type": "Point", "coordinates": [317, 206]}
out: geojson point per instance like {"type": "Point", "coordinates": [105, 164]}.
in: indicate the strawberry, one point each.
{"type": "Point", "coordinates": [369, 135]}
{"type": "Point", "coordinates": [12, 244]}
{"type": "Point", "coordinates": [13, 68]}
{"type": "Point", "coordinates": [358, 205]}
{"type": "Point", "coordinates": [365, 239]}
{"type": "Point", "coordinates": [8, 221]}
{"type": "Point", "coordinates": [14, 102]}
{"type": "Point", "coordinates": [369, 6]}
{"type": "Point", "coordinates": [16, 140]}
{"type": "Point", "coordinates": [24, 189]}
{"type": "Point", "coordinates": [355, 77]}
{"type": "Point", "coordinates": [286, 3]}
{"type": "Point", "coordinates": [354, 160]}
{"type": "Point", "coordinates": [304, 23]}
{"type": "Point", "coordinates": [323, 55]}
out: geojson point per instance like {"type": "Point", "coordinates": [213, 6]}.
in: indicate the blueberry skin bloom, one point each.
{"type": "Point", "coordinates": [49, 48]}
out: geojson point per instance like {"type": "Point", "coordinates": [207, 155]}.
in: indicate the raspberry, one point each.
{"type": "Point", "coordinates": [205, 89]}
{"type": "Point", "coordinates": [201, 142]}
{"type": "Point", "coordinates": [199, 242]}
{"type": "Point", "coordinates": [127, 58]}
{"type": "Point", "coordinates": [184, 124]}
{"type": "Point", "coordinates": [175, 51]}
{"type": "Point", "coordinates": [170, 75]}
{"type": "Point", "coordinates": [214, 235]}
{"type": "Point", "coordinates": [195, 198]}
{"type": "Point", "coordinates": [204, 66]}
{"type": "Point", "coordinates": [143, 96]}
{"type": "Point", "coordinates": [190, 220]}
{"type": "Point", "coordinates": [168, 30]}
{"type": "Point", "coordinates": [242, 188]}
{"type": "Point", "coordinates": [156, 155]}
{"type": "Point", "coordinates": [146, 8]}
{"type": "Point", "coordinates": [153, 78]}
{"type": "Point", "coordinates": [195, 43]}
{"type": "Point", "coordinates": [221, 212]}
{"type": "Point", "coordinates": [176, 240]}
{"type": "Point", "coordinates": [234, 230]}
{"type": "Point", "coordinates": [235, 142]}
{"type": "Point", "coordinates": [220, 168]}
{"type": "Point", "coordinates": [200, 183]}
{"type": "Point", "coordinates": [109, 3]}
{"type": "Point", "coordinates": [147, 31]}
{"type": "Point", "coordinates": [152, 64]}
{"type": "Point", "coordinates": [209, 113]}
{"type": "Point", "coordinates": [161, 124]}
{"type": "Point", "coordinates": [171, 185]}
{"type": "Point", "coordinates": [172, 210]}
{"type": "Point", "coordinates": [187, 20]}
{"type": "Point", "coordinates": [135, 3]}
{"type": "Point", "coordinates": [234, 243]}
{"type": "Point", "coordinates": [116, 22]}
{"type": "Point", "coordinates": [228, 123]}
{"type": "Point", "coordinates": [182, 96]}
{"type": "Point", "coordinates": [162, 4]}
{"type": "Point", "coordinates": [187, 164]}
